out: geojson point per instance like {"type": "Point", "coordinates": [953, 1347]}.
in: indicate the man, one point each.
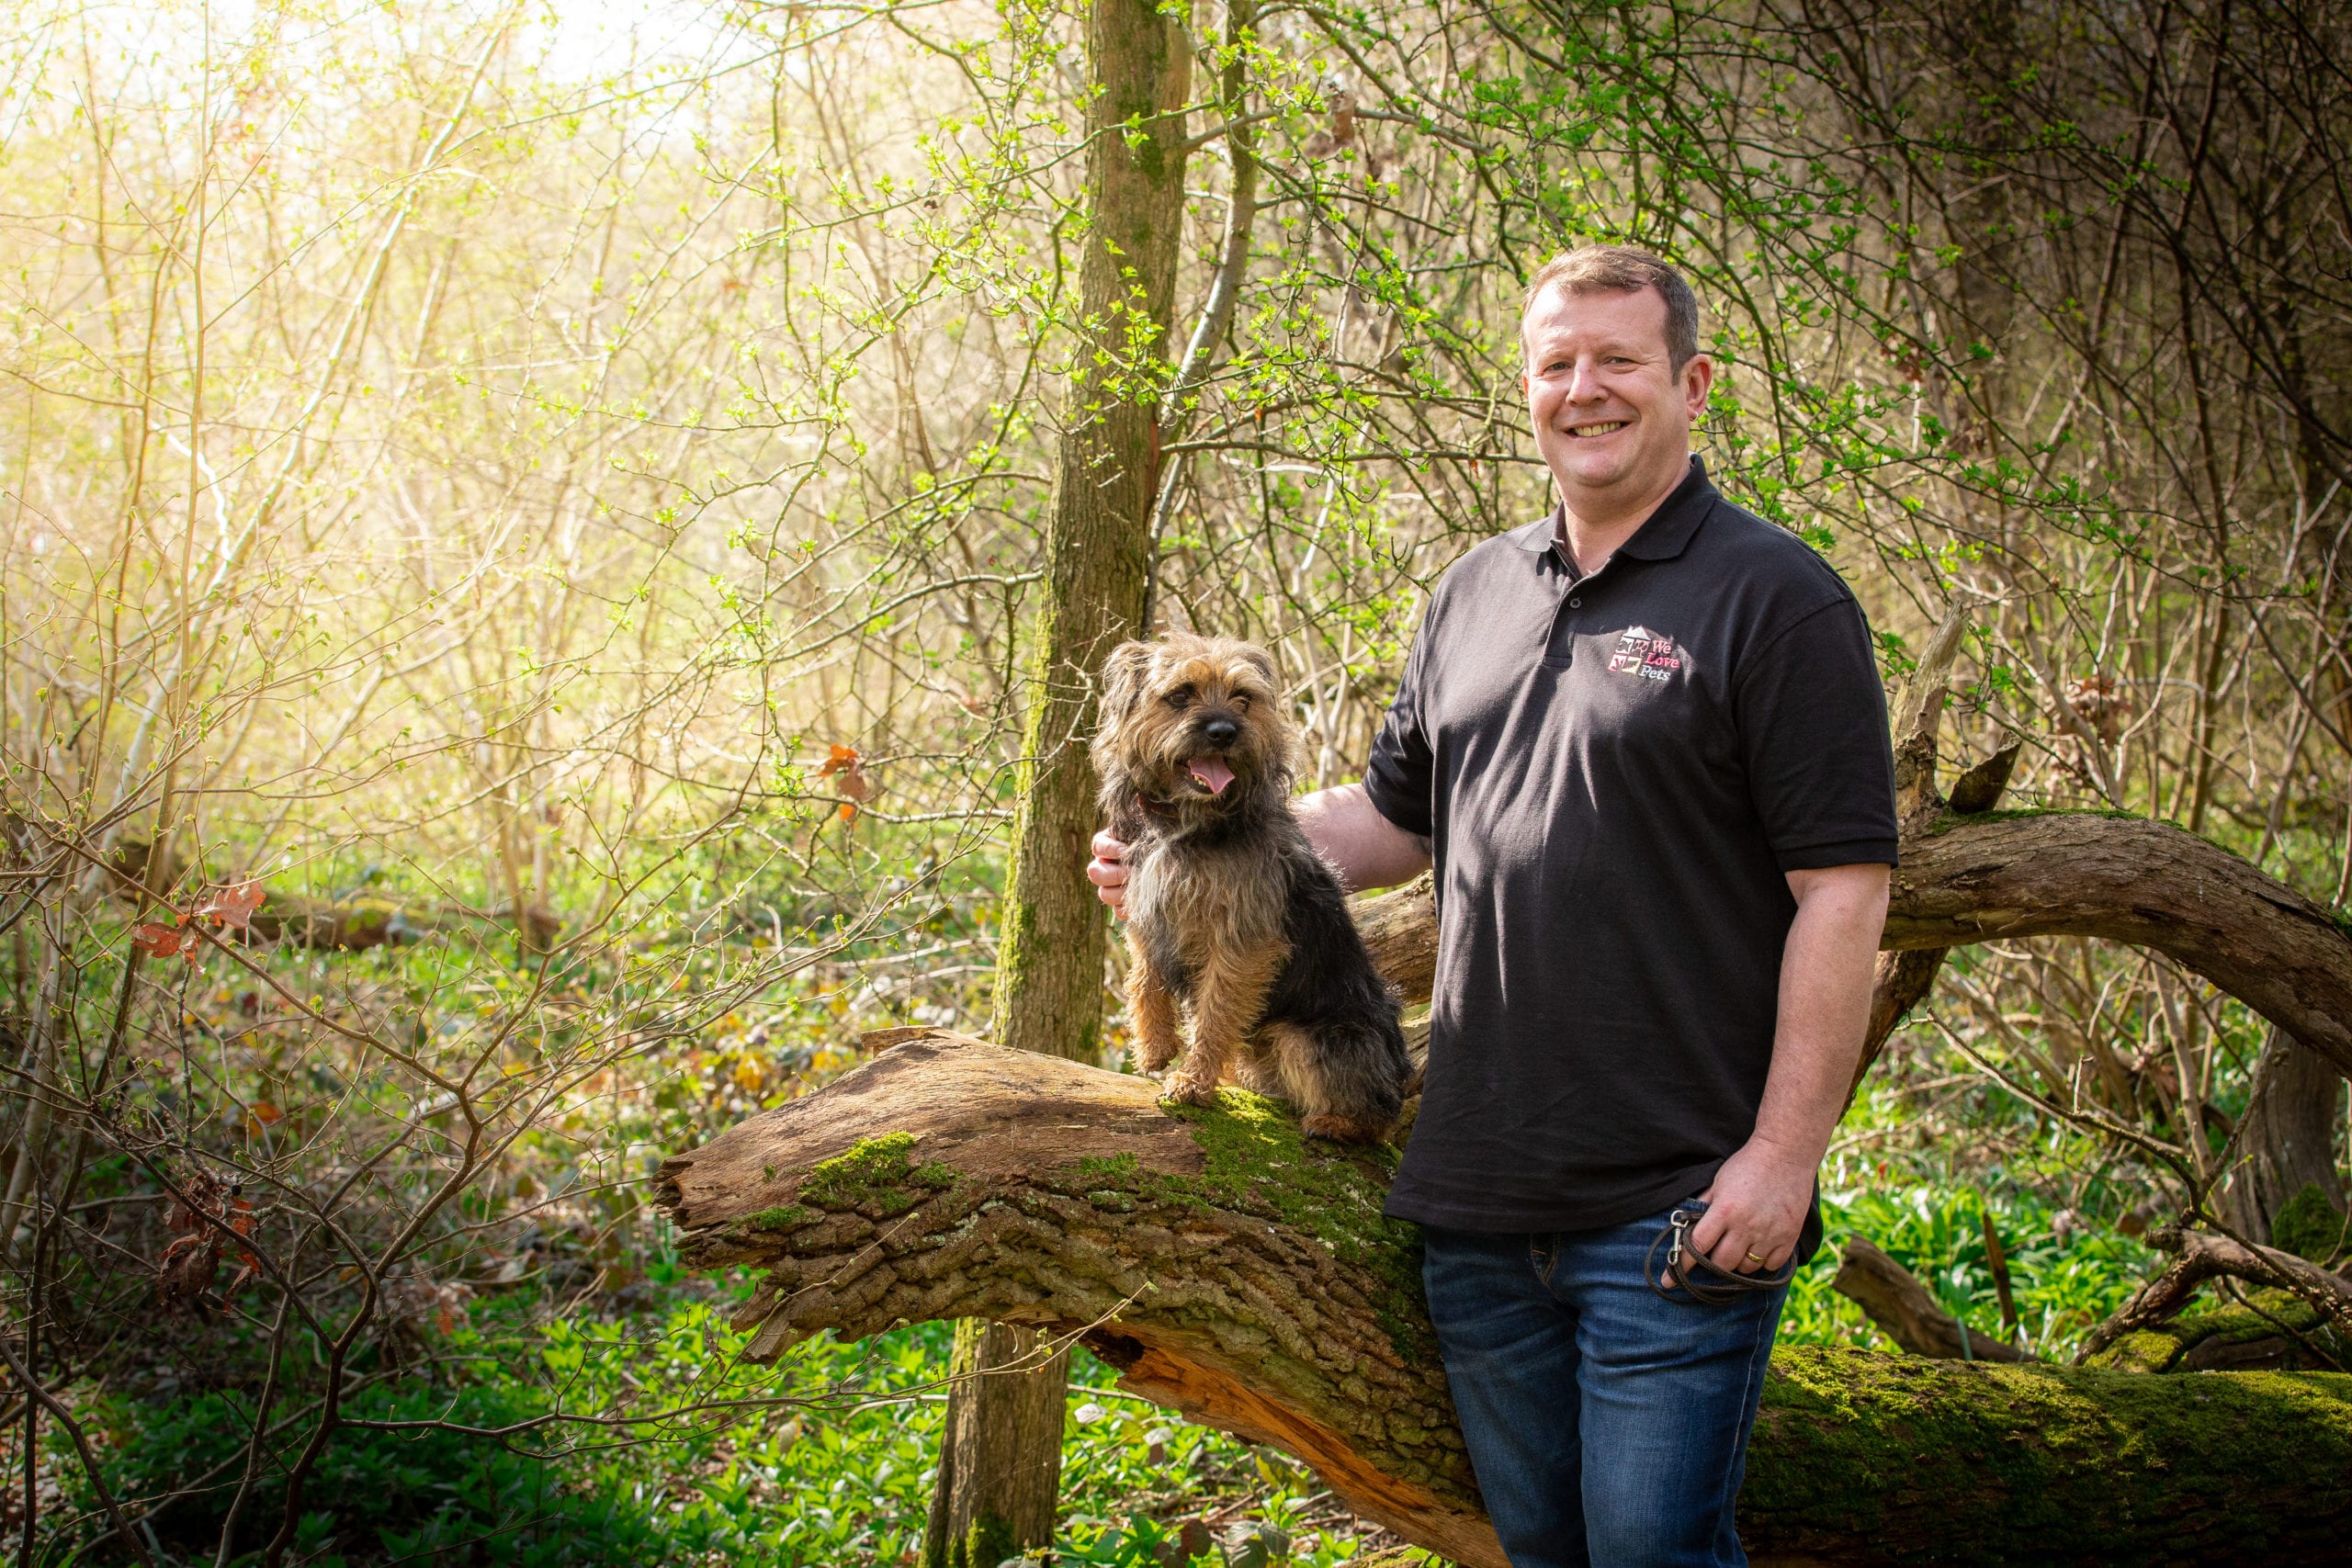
{"type": "Point", "coordinates": [1643, 742]}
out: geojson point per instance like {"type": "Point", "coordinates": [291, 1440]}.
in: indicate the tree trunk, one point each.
{"type": "Point", "coordinates": [1249, 1280]}
{"type": "Point", "coordinates": [1234, 1271]}
{"type": "Point", "coordinates": [1098, 543]}
{"type": "Point", "coordinates": [2287, 1136]}
{"type": "Point", "coordinates": [1001, 1461]}
{"type": "Point", "coordinates": [1008, 1505]}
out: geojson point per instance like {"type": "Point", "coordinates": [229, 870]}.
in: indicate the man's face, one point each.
{"type": "Point", "coordinates": [1613, 419]}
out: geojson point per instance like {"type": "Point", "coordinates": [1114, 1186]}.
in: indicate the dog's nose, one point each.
{"type": "Point", "coordinates": [1220, 732]}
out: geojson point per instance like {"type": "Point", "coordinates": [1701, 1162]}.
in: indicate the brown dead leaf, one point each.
{"type": "Point", "coordinates": [235, 905]}
{"type": "Point", "coordinates": [845, 768]}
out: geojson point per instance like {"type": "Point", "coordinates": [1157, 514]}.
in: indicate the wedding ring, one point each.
{"type": "Point", "coordinates": [1754, 1257]}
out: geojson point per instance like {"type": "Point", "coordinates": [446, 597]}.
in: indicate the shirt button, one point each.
{"type": "Point", "coordinates": [1575, 604]}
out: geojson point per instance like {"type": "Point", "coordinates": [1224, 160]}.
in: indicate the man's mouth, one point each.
{"type": "Point", "coordinates": [1210, 772]}
{"type": "Point", "coordinates": [1587, 432]}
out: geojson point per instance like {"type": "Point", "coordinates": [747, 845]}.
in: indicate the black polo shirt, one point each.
{"type": "Point", "coordinates": [1615, 772]}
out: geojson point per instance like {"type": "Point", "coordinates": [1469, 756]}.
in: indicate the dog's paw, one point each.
{"type": "Point", "coordinates": [1189, 1089]}
{"type": "Point", "coordinates": [1341, 1129]}
{"type": "Point", "coordinates": [1151, 1057]}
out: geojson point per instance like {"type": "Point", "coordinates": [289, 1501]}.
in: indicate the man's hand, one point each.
{"type": "Point", "coordinates": [1760, 1197]}
{"type": "Point", "coordinates": [1755, 1208]}
{"type": "Point", "coordinates": [1365, 848]}
{"type": "Point", "coordinates": [1108, 872]}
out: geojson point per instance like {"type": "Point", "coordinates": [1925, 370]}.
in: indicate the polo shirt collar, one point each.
{"type": "Point", "coordinates": [1666, 534]}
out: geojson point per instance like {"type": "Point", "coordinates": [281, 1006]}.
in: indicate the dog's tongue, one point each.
{"type": "Point", "coordinates": [1211, 772]}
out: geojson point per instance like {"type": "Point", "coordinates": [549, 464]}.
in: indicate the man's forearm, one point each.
{"type": "Point", "coordinates": [1365, 848]}
{"type": "Point", "coordinates": [1827, 969]}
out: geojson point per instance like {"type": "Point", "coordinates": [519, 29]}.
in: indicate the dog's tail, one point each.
{"type": "Point", "coordinates": [1351, 1069]}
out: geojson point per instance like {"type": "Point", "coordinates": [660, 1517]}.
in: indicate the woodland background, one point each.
{"type": "Point", "coordinates": [549, 503]}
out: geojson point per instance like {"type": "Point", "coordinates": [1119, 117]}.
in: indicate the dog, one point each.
{"type": "Point", "coordinates": [1231, 911]}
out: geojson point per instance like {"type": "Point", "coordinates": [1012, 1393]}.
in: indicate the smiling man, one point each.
{"type": "Point", "coordinates": [1644, 743]}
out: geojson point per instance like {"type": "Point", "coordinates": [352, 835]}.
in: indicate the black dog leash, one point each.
{"type": "Point", "coordinates": [1718, 1287]}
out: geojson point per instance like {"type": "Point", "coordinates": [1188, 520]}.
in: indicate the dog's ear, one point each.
{"type": "Point", "coordinates": [1123, 679]}
{"type": "Point", "coordinates": [1263, 662]}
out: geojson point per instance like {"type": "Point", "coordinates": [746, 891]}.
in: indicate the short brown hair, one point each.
{"type": "Point", "coordinates": [1621, 269]}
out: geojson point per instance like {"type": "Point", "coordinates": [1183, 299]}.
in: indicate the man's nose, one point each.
{"type": "Point", "coordinates": [1584, 386]}
{"type": "Point", "coordinates": [1220, 730]}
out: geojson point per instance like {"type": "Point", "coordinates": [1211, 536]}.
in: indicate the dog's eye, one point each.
{"type": "Point", "coordinates": [1241, 701]}
{"type": "Point", "coordinates": [1181, 697]}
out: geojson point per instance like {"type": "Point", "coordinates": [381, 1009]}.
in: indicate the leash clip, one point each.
{"type": "Point", "coordinates": [1717, 1287]}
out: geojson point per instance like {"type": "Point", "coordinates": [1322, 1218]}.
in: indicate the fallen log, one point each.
{"type": "Point", "coordinates": [352, 923]}
{"type": "Point", "coordinates": [2199, 1256]}
{"type": "Point", "coordinates": [1246, 1279]}
{"type": "Point", "coordinates": [1891, 1297]}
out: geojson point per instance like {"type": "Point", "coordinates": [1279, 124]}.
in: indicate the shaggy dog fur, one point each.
{"type": "Point", "coordinates": [1231, 911]}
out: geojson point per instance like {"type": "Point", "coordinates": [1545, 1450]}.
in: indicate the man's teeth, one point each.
{"type": "Point", "coordinates": [1585, 430]}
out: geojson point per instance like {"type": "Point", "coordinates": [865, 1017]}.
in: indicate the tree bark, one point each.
{"type": "Point", "coordinates": [1015, 1388]}
{"type": "Point", "coordinates": [1246, 1278]}
{"type": "Point", "coordinates": [2200, 1257]}
{"type": "Point", "coordinates": [1001, 1458]}
{"type": "Point", "coordinates": [2287, 1138]}
{"type": "Point", "coordinates": [1098, 542]}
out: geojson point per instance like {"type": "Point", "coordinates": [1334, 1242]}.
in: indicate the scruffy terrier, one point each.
{"type": "Point", "coordinates": [1231, 911]}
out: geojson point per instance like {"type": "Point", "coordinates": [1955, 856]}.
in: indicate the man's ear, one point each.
{"type": "Point", "coordinates": [1698, 378]}
{"type": "Point", "coordinates": [1123, 677]}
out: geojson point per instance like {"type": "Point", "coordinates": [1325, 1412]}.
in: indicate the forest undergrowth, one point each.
{"type": "Point", "coordinates": [498, 1419]}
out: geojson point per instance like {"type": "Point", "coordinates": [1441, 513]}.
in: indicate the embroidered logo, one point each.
{"type": "Point", "coordinates": [1644, 652]}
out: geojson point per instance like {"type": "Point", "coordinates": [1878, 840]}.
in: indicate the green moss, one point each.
{"type": "Point", "coordinates": [1258, 1162]}
{"type": "Point", "coordinates": [1110, 1167]}
{"type": "Point", "coordinates": [989, 1542]}
{"type": "Point", "coordinates": [2146, 1351]}
{"type": "Point", "coordinates": [878, 1171]}
{"type": "Point", "coordinates": [2235, 1324]}
{"type": "Point", "coordinates": [2309, 1227]}
{"type": "Point", "coordinates": [2268, 1315]}
{"type": "Point", "coordinates": [785, 1217]}
{"type": "Point", "coordinates": [1951, 820]}
{"type": "Point", "coordinates": [1847, 1438]}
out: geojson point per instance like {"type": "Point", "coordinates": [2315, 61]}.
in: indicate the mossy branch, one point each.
{"type": "Point", "coordinates": [1244, 1277]}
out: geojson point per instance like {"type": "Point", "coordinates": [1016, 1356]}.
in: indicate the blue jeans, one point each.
{"type": "Point", "coordinates": [1606, 1425]}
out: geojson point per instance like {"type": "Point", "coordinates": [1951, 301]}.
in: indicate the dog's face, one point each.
{"type": "Point", "coordinates": [1192, 722]}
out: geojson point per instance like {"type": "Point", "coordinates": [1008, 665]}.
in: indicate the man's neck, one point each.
{"type": "Point", "coordinates": [1594, 526]}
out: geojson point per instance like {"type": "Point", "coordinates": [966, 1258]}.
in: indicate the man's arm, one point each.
{"type": "Point", "coordinates": [1365, 848]}
{"type": "Point", "coordinates": [1757, 1203]}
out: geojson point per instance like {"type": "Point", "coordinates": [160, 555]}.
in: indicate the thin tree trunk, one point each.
{"type": "Point", "coordinates": [1001, 1462]}
{"type": "Point", "coordinates": [1098, 543]}
{"type": "Point", "coordinates": [983, 1513]}
{"type": "Point", "coordinates": [2288, 1139]}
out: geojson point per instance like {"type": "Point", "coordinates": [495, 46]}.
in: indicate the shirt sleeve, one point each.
{"type": "Point", "coordinates": [1811, 719]}
{"type": "Point", "coordinates": [1400, 777]}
